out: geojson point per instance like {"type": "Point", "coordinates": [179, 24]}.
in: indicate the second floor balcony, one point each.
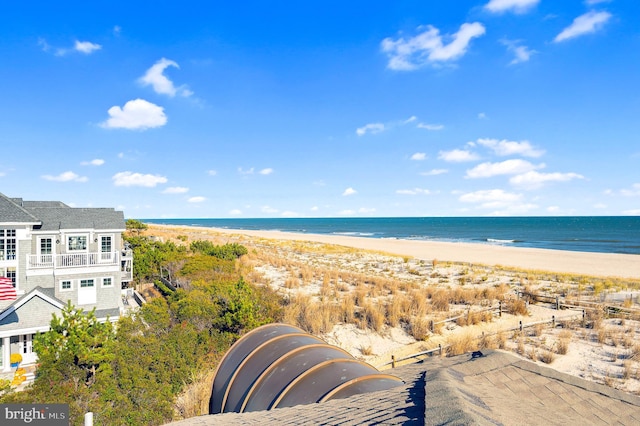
{"type": "Point", "coordinates": [74, 260]}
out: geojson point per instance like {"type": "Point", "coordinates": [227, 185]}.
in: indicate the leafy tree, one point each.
{"type": "Point", "coordinates": [135, 226]}
{"type": "Point", "coordinates": [75, 358]}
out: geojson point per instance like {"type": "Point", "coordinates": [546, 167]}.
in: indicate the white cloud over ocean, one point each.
{"type": "Point", "coordinates": [137, 114]}
{"type": "Point", "coordinates": [458, 156]}
{"type": "Point", "coordinates": [505, 147]}
{"type": "Point", "coordinates": [508, 167]}
{"type": "Point", "coordinates": [588, 23]}
{"type": "Point", "coordinates": [160, 83]}
{"type": "Point", "coordinates": [428, 46]}
{"type": "Point", "coordinates": [137, 179]}
{"type": "Point", "coordinates": [67, 176]}
{"type": "Point", "coordinates": [535, 180]}
{"type": "Point", "coordinates": [516, 6]}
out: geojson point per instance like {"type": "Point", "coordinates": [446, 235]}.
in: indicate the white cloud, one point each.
{"type": "Point", "coordinates": [137, 179]}
{"type": "Point", "coordinates": [593, 2]}
{"type": "Point", "coordinates": [289, 213]}
{"type": "Point", "coordinates": [346, 212]}
{"type": "Point", "coordinates": [457, 156]}
{"type": "Point", "coordinates": [197, 199]}
{"type": "Point", "coordinates": [266, 171]}
{"type": "Point", "coordinates": [212, 172]}
{"type": "Point", "coordinates": [508, 167]}
{"type": "Point", "coordinates": [553, 209]}
{"type": "Point", "coordinates": [410, 119]}
{"type": "Point", "coordinates": [176, 190]}
{"type": "Point", "coordinates": [490, 196]}
{"type": "Point", "coordinates": [366, 210]}
{"type": "Point", "coordinates": [235, 212]}
{"type": "Point", "coordinates": [415, 191]}
{"type": "Point", "coordinates": [419, 156]}
{"type": "Point", "coordinates": [502, 202]}
{"type": "Point", "coordinates": [86, 47]}
{"type": "Point", "coordinates": [521, 53]}
{"type": "Point", "coordinates": [349, 191]}
{"type": "Point", "coordinates": [434, 172]}
{"type": "Point", "coordinates": [430, 126]}
{"type": "Point", "coordinates": [314, 208]}
{"type": "Point", "coordinates": [534, 180]}
{"type": "Point", "coordinates": [246, 172]}
{"type": "Point", "coordinates": [68, 176]}
{"type": "Point", "coordinates": [428, 47]}
{"type": "Point", "coordinates": [633, 192]}
{"type": "Point", "coordinates": [137, 114]}
{"type": "Point", "coordinates": [482, 116]}
{"type": "Point", "coordinates": [267, 209]}
{"type": "Point", "coordinates": [372, 128]}
{"type": "Point", "coordinates": [117, 29]}
{"type": "Point", "coordinates": [95, 162]}
{"type": "Point", "coordinates": [516, 6]}
{"type": "Point", "coordinates": [633, 212]}
{"type": "Point", "coordinates": [599, 206]}
{"type": "Point", "coordinates": [155, 78]}
{"type": "Point", "coordinates": [588, 23]}
{"type": "Point", "coordinates": [504, 147]}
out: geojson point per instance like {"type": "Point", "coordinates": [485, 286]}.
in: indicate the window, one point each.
{"type": "Point", "coordinates": [106, 282]}
{"type": "Point", "coordinates": [77, 243]}
{"type": "Point", "coordinates": [86, 283]}
{"type": "Point", "coordinates": [105, 244]}
{"type": "Point", "coordinates": [9, 273]}
{"type": "Point", "coordinates": [46, 246]}
{"type": "Point", "coordinates": [7, 244]}
{"type": "Point", "coordinates": [65, 285]}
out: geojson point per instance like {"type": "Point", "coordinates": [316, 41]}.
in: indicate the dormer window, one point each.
{"type": "Point", "coordinates": [77, 243]}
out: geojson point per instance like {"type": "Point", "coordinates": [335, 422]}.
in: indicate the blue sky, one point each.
{"type": "Point", "coordinates": [323, 108]}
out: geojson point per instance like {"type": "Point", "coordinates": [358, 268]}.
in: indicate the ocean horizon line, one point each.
{"type": "Point", "coordinates": [604, 234]}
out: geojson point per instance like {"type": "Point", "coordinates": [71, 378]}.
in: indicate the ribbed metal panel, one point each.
{"type": "Point", "coordinates": [279, 365]}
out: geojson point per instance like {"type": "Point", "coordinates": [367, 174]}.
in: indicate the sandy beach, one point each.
{"type": "Point", "coordinates": [583, 263]}
{"type": "Point", "coordinates": [398, 275]}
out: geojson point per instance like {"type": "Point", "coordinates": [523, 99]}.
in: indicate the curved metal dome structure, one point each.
{"type": "Point", "coordinates": [279, 365]}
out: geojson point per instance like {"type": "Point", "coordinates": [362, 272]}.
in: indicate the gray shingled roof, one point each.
{"type": "Point", "coordinates": [496, 389]}
{"type": "Point", "coordinates": [54, 218]}
{"type": "Point", "coordinates": [55, 215]}
{"type": "Point", "coordinates": [14, 213]}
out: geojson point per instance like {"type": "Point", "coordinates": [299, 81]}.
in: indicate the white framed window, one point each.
{"type": "Point", "coordinates": [87, 283]}
{"type": "Point", "coordinates": [66, 285]}
{"type": "Point", "coordinates": [107, 282]}
{"type": "Point", "coordinates": [77, 243]}
{"type": "Point", "coordinates": [8, 244]}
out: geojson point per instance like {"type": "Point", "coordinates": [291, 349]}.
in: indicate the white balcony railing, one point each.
{"type": "Point", "coordinates": [75, 260]}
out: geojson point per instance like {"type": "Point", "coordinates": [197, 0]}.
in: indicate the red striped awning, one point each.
{"type": "Point", "coordinates": [7, 290]}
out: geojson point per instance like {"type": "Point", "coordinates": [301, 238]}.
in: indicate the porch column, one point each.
{"type": "Point", "coordinates": [6, 354]}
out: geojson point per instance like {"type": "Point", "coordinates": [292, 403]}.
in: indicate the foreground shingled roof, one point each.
{"type": "Point", "coordinates": [498, 388]}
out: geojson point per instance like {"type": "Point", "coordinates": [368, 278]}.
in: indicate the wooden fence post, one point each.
{"type": "Point", "coordinates": [393, 361]}
{"type": "Point", "coordinates": [440, 349]}
{"type": "Point", "coordinates": [500, 309]}
{"type": "Point", "coordinates": [557, 303]}
{"type": "Point", "coordinates": [431, 326]}
{"type": "Point", "coordinates": [521, 326]}
{"type": "Point", "coordinates": [553, 321]}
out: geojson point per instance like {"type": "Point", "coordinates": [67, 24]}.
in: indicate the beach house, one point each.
{"type": "Point", "coordinates": [52, 254]}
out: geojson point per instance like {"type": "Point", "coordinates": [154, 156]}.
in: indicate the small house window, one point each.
{"type": "Point", "coordinates": [106, 282]}
{"type": "Point", "coordinates": [77, 243]}
{"type": "Point", "coordinates": [65, 285]}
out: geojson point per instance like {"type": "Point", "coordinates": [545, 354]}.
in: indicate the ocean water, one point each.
{"type": "Point", "coordinates": [604, 234]}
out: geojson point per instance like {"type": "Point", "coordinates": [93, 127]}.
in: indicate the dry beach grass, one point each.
{"type": "Point", "coordinates": [378, 298]}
